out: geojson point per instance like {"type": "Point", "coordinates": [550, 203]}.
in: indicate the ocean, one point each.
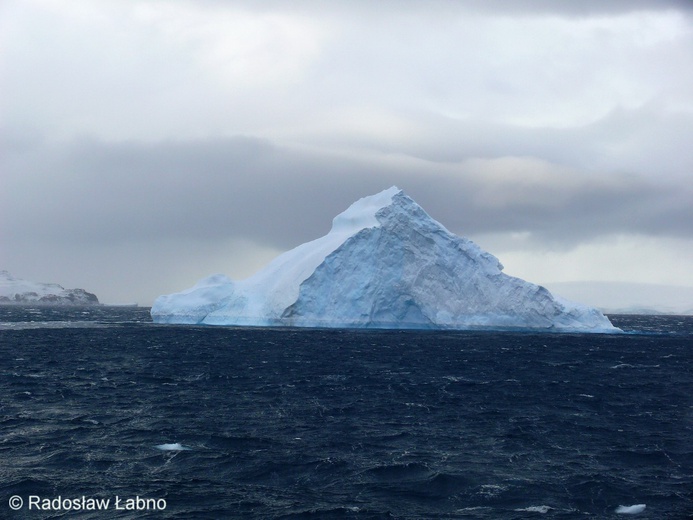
{"type": "Point", "coordinates": [106, 415]}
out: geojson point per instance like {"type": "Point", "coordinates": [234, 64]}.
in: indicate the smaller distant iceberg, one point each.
{"type": "Point", "coordinates": [385, 264]}
{"type": "Point", "coordinates": [631, 510]}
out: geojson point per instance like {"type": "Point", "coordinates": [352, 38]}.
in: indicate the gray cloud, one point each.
{"type": "Point", "coordinates": [530, 7]}
{"type": "Point", "coordinates": [250, 188]}
{"type": "Point", "coordinates": [640, 141]}
{"type": "Point", "coordinates": [584, 8]}
{"type": "Point", "coordinates": [159, 134]}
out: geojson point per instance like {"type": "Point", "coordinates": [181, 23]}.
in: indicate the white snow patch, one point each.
{"type": "Point", "coordinates": [361, 214]}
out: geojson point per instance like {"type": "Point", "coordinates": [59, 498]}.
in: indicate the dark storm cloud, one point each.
{"type": "Point", "coordinates": [250, 188]}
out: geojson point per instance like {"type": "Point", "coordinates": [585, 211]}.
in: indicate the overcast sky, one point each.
{"type": "Point", "coordinates": [147, 144]}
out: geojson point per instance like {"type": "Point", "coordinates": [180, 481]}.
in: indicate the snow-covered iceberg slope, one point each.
{"type": "Point", "coordinates": [384, 264]}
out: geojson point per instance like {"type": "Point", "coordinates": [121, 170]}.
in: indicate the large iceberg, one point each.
{"type": "Point", "coordinates": [384, 264]}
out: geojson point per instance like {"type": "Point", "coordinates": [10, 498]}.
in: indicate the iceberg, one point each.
{"type": "Point", "coordinates": [384, 264]}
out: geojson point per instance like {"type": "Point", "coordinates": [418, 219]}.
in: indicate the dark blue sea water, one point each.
{"type": "Point", "coordinates": [340, 423]}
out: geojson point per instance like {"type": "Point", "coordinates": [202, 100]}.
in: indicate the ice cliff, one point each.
{"type": "Point", "coordinates": [24, 292]}
{"type": "Point", "coordinates": [384, 264]}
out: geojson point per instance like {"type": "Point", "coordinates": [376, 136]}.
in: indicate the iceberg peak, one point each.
{"type": "Point", "coordinates": [384, 264]}
{"type": "Point", "coordinates": [362, 213]}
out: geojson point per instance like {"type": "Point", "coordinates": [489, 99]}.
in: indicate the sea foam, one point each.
{"type": "Point", "coordinates": [536, 509]}
{"type": "Point", "coordinates": [631, 510]}
{"type": "Point", "coordinates": [172, 447]}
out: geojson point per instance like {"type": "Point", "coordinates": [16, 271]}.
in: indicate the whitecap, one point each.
{"type": "Point", "coordinates": [490, 490]}
{"type": "Point", "coordinates": [535, 509]}
{"type": "Point", "coordinates": [176, 446]}
{"type": "Point", "coordinates": [29, 325]}
{"type": "Point", "coordinates": [631, 510]}
{"type": "Point", "coordinates": [476, 508]}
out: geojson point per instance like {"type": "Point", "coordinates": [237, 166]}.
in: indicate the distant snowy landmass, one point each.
{"type": "Point", "coordinates": [384, 264]}
{"type": "Point", "coordinates": [629, 297]}
{"type": "Point", "coordinates": [15, 291]}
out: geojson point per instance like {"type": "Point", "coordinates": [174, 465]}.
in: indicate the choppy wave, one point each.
{"type": "Point", "coordinates": [346, 424]}
{"type": "Point", "coordinates": [54, 324]}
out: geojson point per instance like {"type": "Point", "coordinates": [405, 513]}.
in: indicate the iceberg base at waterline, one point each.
{"type": "Point", "coordinates": [384, 264]}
